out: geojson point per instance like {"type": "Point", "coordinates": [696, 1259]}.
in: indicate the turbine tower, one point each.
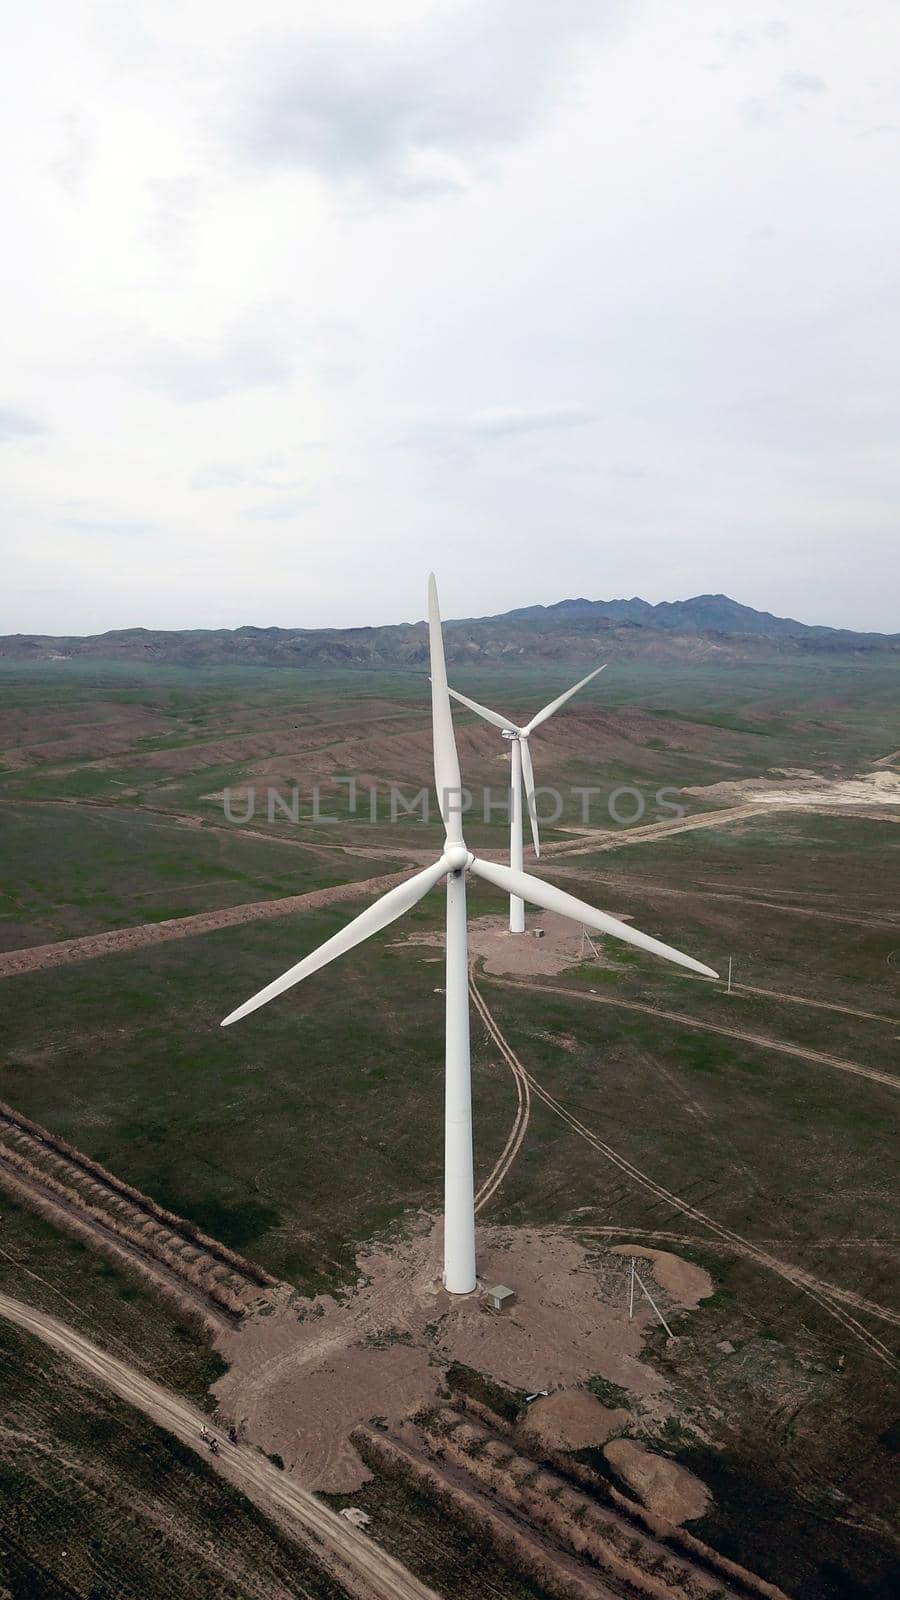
{"type": "Point", "coordinates": [520, 764]}
{"type": "Point", "coordinates": [453, 864]}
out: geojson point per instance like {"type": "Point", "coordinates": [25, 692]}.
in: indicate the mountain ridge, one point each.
{"type": "Point", "coordinates": [710, 626]}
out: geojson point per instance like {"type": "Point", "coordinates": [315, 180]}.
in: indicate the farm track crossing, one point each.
{"type": "Point", "coordinates": [832, 1299]}
{"type": "Point", "coordinates": [354, 1559]}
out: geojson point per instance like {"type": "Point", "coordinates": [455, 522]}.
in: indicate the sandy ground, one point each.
{"type": "Point", "coordinates": [301, 1378]}
{"type": "Point", "coordinates": [663, 1486]}
{"type": "Point", "coordinates": [879, 788]}
{"type": "Point", "coordinates": [522, 954]}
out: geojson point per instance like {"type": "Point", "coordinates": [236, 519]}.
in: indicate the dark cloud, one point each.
{"type": "Point", "coordinates": [411, 113]}
{"type": "Point", "coordinates": [16, 425]}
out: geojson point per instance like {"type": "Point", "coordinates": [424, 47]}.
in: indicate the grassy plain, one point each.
{"type": "Point", "coordinates": [316, 1124]}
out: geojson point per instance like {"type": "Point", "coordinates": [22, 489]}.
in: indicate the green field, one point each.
{"type": "Point", "coordinates": [316, 1124]}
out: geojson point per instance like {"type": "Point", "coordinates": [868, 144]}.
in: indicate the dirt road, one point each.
{"type": "Point", "coordinates": [591, 840]}
{"type": "Point", "coordinates": [594, 839]}
{"type": "Point", "coordinates": [355, 1560]}
{"type": "Point", "coordinates": [14, 962]}
{"type": "Point", "coordinates": [816, 1005]}
{"type": "Point", "coordinates": [759, 1040]}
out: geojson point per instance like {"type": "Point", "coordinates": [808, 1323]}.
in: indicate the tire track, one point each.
{"type": "Point", "coordinates": [523, 1108]}
{"type": "Point", "coordinates": [355, 1560]}
{"type": "Point", "coordinates": [758, 1040]}
{"type": "Point", "coordinates": [816, 1005]}
{"type": "Point", "coordinates": [835, 1301]}
{"type": "Point", "coordinates": [647, 887]}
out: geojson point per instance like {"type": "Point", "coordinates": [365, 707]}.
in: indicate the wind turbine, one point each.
{"type": "Point", "coordinates": [520, 763]}
{"type": "Point", "coordinates": [453, 864]}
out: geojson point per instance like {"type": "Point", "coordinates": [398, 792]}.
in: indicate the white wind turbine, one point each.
{"type": "Point", "coordinates": [453, 864]}
{"type": "Point", "coordinates": [520, 765]}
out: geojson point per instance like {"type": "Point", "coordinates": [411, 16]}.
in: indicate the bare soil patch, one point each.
{"type": "Point", "coordinates": [878, 788]}
{"type": "Point", "coordinates": [301, 1378]}
{"type": "Point", "coordinates": [522, 954]}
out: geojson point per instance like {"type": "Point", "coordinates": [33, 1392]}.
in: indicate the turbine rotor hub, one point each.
{"type": "Point", "coordinates": [456, 857]}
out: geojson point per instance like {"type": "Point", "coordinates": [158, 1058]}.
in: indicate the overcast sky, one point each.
{"type": "Point", "coordinates": [562, 297]}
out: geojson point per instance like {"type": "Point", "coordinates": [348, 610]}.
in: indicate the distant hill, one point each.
{"type": "Point", "coordinates": [707, 627]}
{"type": "Point", "coordinates": [705, 613]}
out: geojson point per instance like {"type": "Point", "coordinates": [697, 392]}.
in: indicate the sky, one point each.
{"type": "Point", "coordinates": [557, 297]}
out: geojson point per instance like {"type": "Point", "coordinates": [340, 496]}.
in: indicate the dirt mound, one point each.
{"type": "Point", "coordinates": [681, 1279]}
{"type": "Point", "coordinates": [662, 1485]}
{"type": "Point", "coordinates": [574, 1419]}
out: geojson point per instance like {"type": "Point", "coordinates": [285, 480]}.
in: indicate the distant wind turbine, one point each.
{"type": "Point", "coordinates": [520, 763]}
{"type": "Point", "coordinates": [453, 864]}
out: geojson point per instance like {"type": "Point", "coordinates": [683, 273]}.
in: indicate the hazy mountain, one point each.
{"type": "Point", "coordinates": [709, 626]}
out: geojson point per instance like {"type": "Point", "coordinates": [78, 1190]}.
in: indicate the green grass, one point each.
{"type": "Point", "coordinates": [68, 872]}
{"type": "Point", "coordinates": [312, 1126]}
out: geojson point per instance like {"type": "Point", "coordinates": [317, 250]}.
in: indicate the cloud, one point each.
{"type": "Point", "coordinates": [255, 351]}
{"type": "Point", "coordinates": [504, 422]}
{"type": "Point", "coordinates": [416, 112]}
{"type": "Point", "coordinates": [72, 162]}
{"type": "Point", "coordinates": [16, 425]}
{"type": "Point", "coordinates": [492, 425]}
{"type": "Point", "coordinates": [735, 45]}
{"type": "Point", "coordinates": [803, 83]}
{"type": "Point", "coordinates": [769, 110]}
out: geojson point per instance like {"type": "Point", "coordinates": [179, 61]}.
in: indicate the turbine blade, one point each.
{"type": "Point", "coordinates": [375, 917]}
{"type": "Point", "coordinates": [483, 711]}
{"type": "Point", "coordinates": [528, 780]}
{"type": "Point", "coordinates": [555, 704]}
{"type": "Point", "coordinates": [447, 780]}
{"type": "Point", "coordinates": [553, 899]}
